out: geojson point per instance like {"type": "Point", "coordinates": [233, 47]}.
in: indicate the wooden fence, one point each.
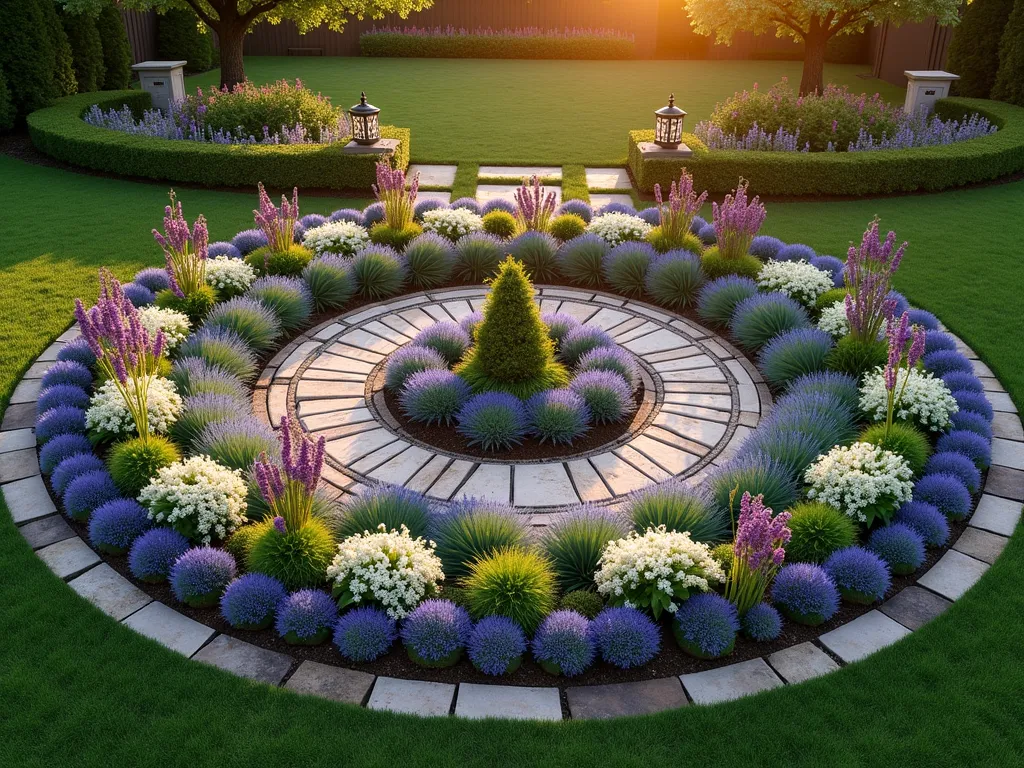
{"type": "Point", "coordinates": [141, 29]}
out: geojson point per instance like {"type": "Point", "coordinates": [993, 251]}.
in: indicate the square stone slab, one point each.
{"type": "Point", "coordinates": [513, 702]}
{"type": "Point", "coordinates": [17, 439]}
{"type": "Point", "coordinates": [981, 545]}
{"type": "Point", "coordinates": [411, 697]}
{"type": "Point", "coordinates": [914, 607]}
{"type": "Point", "coordinates": [492, 482]}
{"type": "Point", "coordinates": [519, 171]}
{"type": "Point", "coordinates": [28, 499]}
{"type": "Point", "coordinates": [1005, 482]}
{"type": "Point", "coordinates": [601, 199]}
{"type": "Point", "coordinates": [953, 575]}
{"type": "Point", "coordinates": [863, 636]}
{"type": "Point", "coordinates": [598, 702]}
{"type": "Point", "coordinates": [1007, 425]}
{"type": "Point", "coordinates": [17, 465]}
{"type": "Point", "coordinates": [245, 660]}
{"type": "Point", "coordinates": [109, 591]}
{"type": "Point", "coordinates": [802, 662]}
{"type": "Point", "coordinates": [47, 530]}
{"type": "Point", "coordinates": [487, 192]}
{"type": "Point", "coordinates": [19, 416]}
{"type": "Point", "coordinates": [432, 175]}
{"type": "Point", "coordinates": [68, 558]}
{"type": "Point", "coordinates": [1007, 453]}
{"type": "Point", "coordinates": [542, 485]}
{"type": "Point", "coordinates": [732, 682]}
{"type": "Point", "coordinates": [335, 683]}
{"type": "Point", "coordinates": [608, 178]}
{"type": "Point", "coordinates": [997, 515]}
{"type": "Point", "coordinates": [442, 197]}
{"type": "Point", "coordinates": [170, 628]}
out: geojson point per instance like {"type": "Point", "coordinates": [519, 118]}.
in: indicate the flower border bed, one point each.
{"type": "Point", "coordinates": [928, 169]}
{"type": "Point", "coordinates": [60, 132]}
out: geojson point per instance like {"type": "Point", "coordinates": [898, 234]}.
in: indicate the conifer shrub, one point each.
{"type": "Point", "coordinates": [86, 50]}
{"type": "Point", "coordinates": [117, 51]}
{"type": "Point", "coordinates": [179, 37]}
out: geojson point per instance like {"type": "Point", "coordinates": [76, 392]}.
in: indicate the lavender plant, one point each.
{"type": "Point", "coordinates": [737, 221]}
{"type": "Point", "coordinates": [534, 208]}
{"type": "Point", "coordinates": [185, 251]}
{"type": "Point", "coordinates": [869, 272]}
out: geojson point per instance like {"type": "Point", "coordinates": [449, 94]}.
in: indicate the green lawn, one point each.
{"type": "Point", "coordinates": [76, 689]}
{"type": "Point", "coordinates": [515, 112]}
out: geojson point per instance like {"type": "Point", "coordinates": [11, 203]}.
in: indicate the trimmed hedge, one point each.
{"type": "Point", "coordinates": [396, 44]}
{"type": "Point", "coordinates": [850, 173]}
{"type": "Point", "coordinates": [60, 132]}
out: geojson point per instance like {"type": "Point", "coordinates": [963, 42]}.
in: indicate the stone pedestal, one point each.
{"type": "Point", "coordinates": [164, 80]}
{"type": "Point", "coordinates": [925, 87]}
{"type": "Point", "coordinates": [382, 147]}
{"type": "Point", "coordinates": [651, 151]}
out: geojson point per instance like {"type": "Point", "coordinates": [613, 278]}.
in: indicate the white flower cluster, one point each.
{"type": "Point", "coordinates": [452, 223]}
{"type": "Point", "coordinates": [861, 480]}
{"type": "Point", "coordinates": [230, 276]}
{"type": "Point", "coordinates": [926, 399]}
{"type": "Point", "coordinates": [389, 568]}
{"type": "Point", "coordinates": [833, 320]}
{"type": "Point", "coordinates": [202, 499]}
{"type": "Point", "coordinates": [174, 324]}
{"type": "Point", "coordinates": [615, 228]}
{"type": "Point", "coordinates": [341, 237]}
{"type": "Point", "coordinates": [797, 279]}
{"type": "Point", "coordinates": [108, 412]}
{"type": "Point", "coordinates": [642, 570]}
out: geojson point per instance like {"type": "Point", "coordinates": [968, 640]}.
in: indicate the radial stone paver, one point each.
{"type": "Point", "coordinates": [997, 515]}
{"type": "Point", "coordinates": [109, 591]}
{"type": "Point", "coordinates": [914, 607]}
{"type": "Point", "coordinates": [980, 544]}
{"type": "Point", "coordinates": [953, 575]}
{"type": "Point", "coordinates": [68, 558]}
{"type": "Point", "coordinates": [28, 499]}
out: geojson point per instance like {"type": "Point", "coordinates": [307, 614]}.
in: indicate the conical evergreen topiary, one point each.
{"type": "Point", "coordinates": [974, 51]}
{"type": "Point", "coordinates": [63, 69]}
{"type": "Point", "coordinates": [26, 55]}
{"type": "Point", "coordinates": [513, 352]}
{"type": "Point", "coordinates": [117, 51]}
{"type": "Point", "coordinates": [1009, 85]}
{"type": "Point", "coordinates": [86, 50]}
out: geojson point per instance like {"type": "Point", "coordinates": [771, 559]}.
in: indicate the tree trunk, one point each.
{"type": "Point", "coordinates": [814, 61]}
{"type": "Point", "coordinates": [232, 39]}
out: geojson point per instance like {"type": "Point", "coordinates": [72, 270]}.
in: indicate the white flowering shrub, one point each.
{"type": "Point", "coordinates": [198, 497]}
{"type": "Point", "coordinates": [926, 400]}
{"type": "Point", "coordinates": [174, 324]}
{"type": "Point", "coordinates": [452, 223]}
{"type": "Point", "coordinates": [615, 228]}
{"type": "Point", "coordinates": [863, 481]}
{"type": "Point", "coordinates": [108, 415]}
{"type": "Point", "coordinates": [833, 320]}
{"type": "Point", "coordinates": [341, 237]}
{"type": "Point", "coordinates": [388, 568]}
{"type": "Point", "coordinates": [797, 279]}
{"type": "Point", "coordinates": [656, 570]}
{"type": "Point", "coordinates": [230, 277]}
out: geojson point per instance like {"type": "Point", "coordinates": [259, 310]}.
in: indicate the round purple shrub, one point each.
{"type": "Point", "coordinates": [71, 467]}
{"type": "Point", "coordinates": [558, 415]}
{"type": "Point", "coordinates": [945, 361]}
{"type": "Point", "coordinates": [222, 248]}
{"type": "Point", "coordinates": [955, 464]}
{"type": "Point", "coordinates": [365, 634]}
{"type": "Point", "coordinates": [902, 305]}
{"type": "Point", "coordinates": [449, 340]}
{"type": "Point", "coordinates": [470, 322]}
{"type": "Point", "coordinates": [347, 214]}
{"type": "Point", "coordinates": [154, 553]}
{"type": "Point", "coordinates": [497, 204]}
{"type": "Point", "coordinates": [971, 421]}
{"type": "Point", "coordinates": [306, 617]}
{"type": "Point", "coordinates": [970, 444]}
{"type": "Point", "coordinates": [564, 644]}
{"type": "Point", "coordinates": [926, 519]}
{"type": "Point", "coordinates": [433, 396]}
{"type": "Point", "coordinates": [766, 247]}
{"type": "Point", "coordinates": [77, 350]}
{"type": "Point", "coordinates": [559, 324]}
{"type": "Point", "coordinates": [67, 372]}
{"type": "Point", "coordinates": [946, 492]}
{"type": "Point", "coordinates": [976, 402]}
{"type": "Point", "coordinates": [250, 601]}
{"type": "Point", "coordinates": [87, 492]}
{"type": "Point", "coordinates": [469, 203]}
{"type": "Point", "coordinates": [408, 360]}
{"type": "Point", "coordinates": [934, 341]}
{"type": "Point", "coordinates": [705, 626]}
{"type": "Point", "coordinates": [805, 593]}
{"type": "Point", "coordinates": [795, 252]}
{"type": "Point", "coordinates": [901, 546]}
{"type": "Point", "coordinates": [762, 623]}
{"type": "Point", "coordinates": [298, 232]}
{"type": "Point", "coordinates": [832, 265]}
{"type": "Point", "coordinates": [436, 633]}
{"type": "Point", "coordinates": [493, 420]}
{"type": "Point", "coordinates": [577, 342]}
{"type": "Point", "coordinates": [629, 210]}
{"type": "Point", "coordinates": [615, 359]}
{"type": "Point", "coordinates": [248, 240]}
{"type": "Point", "coordinates": [115, 526]}
{"type": "Point", "coordinates": [625, 637]}
{"type": "Point", "coordinates": [719, 298]}
{"type": "Point", "coordinates": [139, 295]}
{"type": "Point", "coordinates": [423, 206]}
{"type": "Point", "coordinates": [961, 381]}
{"type": "Point", "coordinates": [200, 576]}
{"type": "Point", "coordinates": [924, 318]}
{"type": "Point", "coordinates": [577, 208]}
{"type": "Point", "coordinates": [312, 220]}
{"type": "Point", "coordinates": [496, 645]}
{"type": "Point", "coordinates": [606, 394]}
{"type": "Point", "coordinates": [154, 278]}
{"type": "Point", "coordinates": [372, 214]}
{"type": "Point", "coordinates": [841, 385]}
{"type": "Point", "coordinates": [708, 235]}
{"type": "Point", "coordinates": [62, 420]}
{"type": "Point", "coordinates": [651, 215]}
{"type": "Point", "coordinates": [861, 576]}
{"type": "Point", "coordinates": [697, 225]}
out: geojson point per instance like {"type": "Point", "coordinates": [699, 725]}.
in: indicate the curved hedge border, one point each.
{"type": "Point", "coordinates": [60, 132]}
{"type": "Point", "coordinates": [927, 169]}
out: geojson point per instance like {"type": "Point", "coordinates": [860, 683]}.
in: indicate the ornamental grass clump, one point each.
{"type": "Point", "coordinates": [676, 215]}
{"type": "Point", "coordinates": [537, 251]}
{"type": "Point", "coordinates": [154, 553]}
{"type": "Point", "coordinates": [448, 339]}
{"type": "Point", "coordinates": [306, 617]}
{"type": "Point", "coordinates": [436, 633]}
{"type": "Point", "coordinates": [566, 226]}
{"type": "Point", "coordinates": [625, 267]}
{"type": "Point", "coordinates": [351, 215]}
{"type": "Point", "coordinates": [736, 222]}
{"type": "Point", "coordinates": [575, 542]}
{"type": "Point", "coordinates": [433, 396]}
{"type": "Point", "coordinates": [388, 569]}
{"type": "Point", "coordinates": [576, 208]}
{"type": "Point", "coordinates": [558, 324]}
{"type": "Point", "coordinates": [473, 529]}
{"type": "Point", "coordinates": [677, 507]}
{"type": "Point", "coordinates": [409, 360]}
{"type": "Point", "coordinates": [501, 224]}
{"type": "Point", "coordinates": [496, 645]}
{"type": "Point", "coordinates": [497, 204]}
{"type": "Point", "coordinates": [758, 552]}
{"type": "Point", "coordinates": [866, 482]}
{"type": "Point", "coordinates": [87, 492]}
{"type": "Point", "coordinates": [185, 250]}
{"type": "Point", "coordinates": [718, 299]}
{"type": "Point", "coordinates": [756, 475]}
{"type": "Point", "coordinates": [133, 462]}
{"type": "Point", "coordinates": [249, 240]}
{"type": "Point", "coordinates": [818, 420]}
{"type": "Point", "coordinates": [840, 385]}
{"type": "Point", "coordinates": [625, 637]}
{"type": "Point", "coordinates": [330, 281]}
{"type": "Point", "coordinates": [579, 341]}
{"type": "Point", "coordinates": [900, 546]}
{"type": "Point", "coordinates": [762, 623]}
{"type": "Point", "coordinates": [869, 272]}
{"type": "Point", "coordinates": [793, 354]}
{"type": "Point", "coordinates": [534, 207]}
{"type": "Point", "coordinates": [656, 570]}
{"type": "Point", "coordinates": [398, 199]}
{"type": "Point", "coordinates": [607, 395]}
{"type": "Point", "coordinates": [365, 634]}
{"type": "Point", "coordinates": [514, 582]}
{"type": "Point", "coordinates": [805, 593]}
{"type": "Point", "coordinates": [195, 376]}
{"type": "Point", "coordinates": [861, 576]}
{"type": "Point", "coordinates": [706, 626]}
{"type": "Point", "coordinates": [581, 259]}
{"type": "Point", "coordinates": [926, 519]}
{"type": "Point", "coordinates": [298, 557]}
{"type": "Point", "coordinates": [390, 506]}
{"type": "Point", "coordinates": [759, 319]}
{"type": "Point", "coordinates": [200, 576]}
{"type": "Point", "coordinates": [60, 420]}
{"type": "Point", "coordinates": [904, 440]}
{"type": "Point", "coordinates": [564, 644]}
{"type": "Point", "coordinates": [71, 466]}
{"type": "Point", "coordinates": [816, 531]}
{"type": "Point", "coordinates": [675, 279]}
{"type": "Point", "coordinates": [558, 416]}
{"type": "Point", "coordinates": [493, 420]}
{"type": "Point", "coordinates": [288, 298]}
{"type": "Point", "coordinates": [236, 442]}
{"type": "Point", "coordinates": [254, 321]}
{"type": "Point", "coordinates": [968, 443]}
{"type": "Point", "coordinates": [947, 493]}
{"type": "Point", "coordinates": [430, 260]}
{"type": "Point", "coordinates": [477, 256]}
{"type": "Point", "coordinates": [614, 359]}
{"type": "Point", "coordinates": [958, 465]}
{"type": "Point", "coordinates": [223, 349]}
{"type": "Point", "coordinates": [372, 214]}
{"type": "Point", "coordinates": [115, 526]}
{"type": "Point", "coordinates": [250, 601]}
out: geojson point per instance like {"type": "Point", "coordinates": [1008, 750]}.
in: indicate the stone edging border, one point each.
{"type": "Point", "coordinates": [71, 559]}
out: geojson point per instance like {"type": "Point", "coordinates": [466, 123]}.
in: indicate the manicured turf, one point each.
{"type": "Point", "coordinates": [76, 689]}
{"type": "Point", "coordinates": [546, 112]}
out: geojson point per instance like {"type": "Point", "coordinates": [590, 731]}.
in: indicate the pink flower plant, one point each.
{"type": "Point", "coordinates": [758, 552]}
{"type": "Point", "coordinates": [906, 343]}
{"type": "Point", "coordinates": [289, 489]}
{"type": "Point", "coordinates": [278, 224]}
{"type": "Point", "coordinates": [534, 208]}
{"type": "Point", "coordinates": [868, 274]}
{"type": "Point", "coordinates": [391, 191]}
{"type": "Point", "coordinates": [184, 250]}
{"type": "Point", "coordinates": [737, 221]}
{"type": "Point", "coordinates": [683, 205]}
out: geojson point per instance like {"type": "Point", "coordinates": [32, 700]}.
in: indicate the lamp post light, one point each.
{"type": "Point", "coordinates": [365, 123]}
{"type": "Point", "coordinates": [668, 125]}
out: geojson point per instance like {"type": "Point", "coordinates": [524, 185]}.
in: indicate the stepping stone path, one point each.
{"type": "Point", "coordinates": [608, 178]}
{"type": "Point", "coordinates": [432, 175]}
{"type": "Point", "coordinates": [519, 171]}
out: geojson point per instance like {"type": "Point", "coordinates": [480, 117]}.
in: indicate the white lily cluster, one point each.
{"type": "Point", "coordinates": [452, 223]}
{"type": "Point", "coordinates": [859, 477]}
{"type": "Point", "coordinates": [340, 237]}
{"type": "Point", "coordinates": [797, 279]}
{"type": "Point", "coordinates": [108, 412]}
{"type": "Point", "coordinates": [615, 228]}
{"type": "Point", "coordinates": [925, 401]}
